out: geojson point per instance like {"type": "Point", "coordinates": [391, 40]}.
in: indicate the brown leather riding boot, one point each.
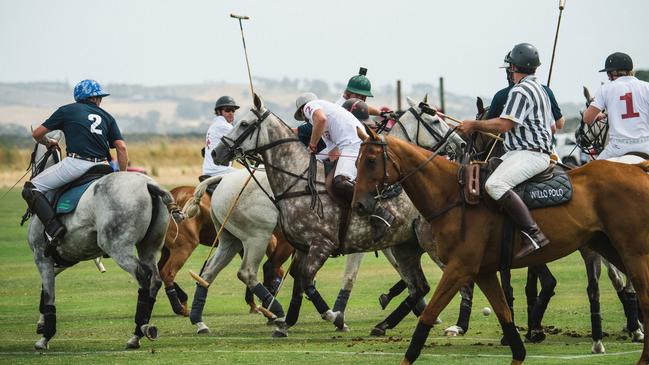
{"type": "Point", "coordinates": [40, 206]}
{"type": "Point", "coordinates": [344, 188]}
{"type": "Point", "coordinates": [533, 238]}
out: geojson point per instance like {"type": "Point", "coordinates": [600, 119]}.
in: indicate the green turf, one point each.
{"type": "Point", "coordinates": [95, 318]}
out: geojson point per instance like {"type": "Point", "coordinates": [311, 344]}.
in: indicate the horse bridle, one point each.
{"type": "Point", "coordinates": [385, 186]}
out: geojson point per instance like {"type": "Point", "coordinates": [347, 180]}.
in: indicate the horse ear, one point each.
{"type": "Point", "coordinates": [361, 133]}
{"type": "Point", "coordinates": [480, 105]}
{"type": "Point", "coordinates": [259, 103]}
{"type": "Point", "coordinates": [426, 98]}
{"type": "Point", "coordinates": [411, 102]}
{"type": "Point", "coordinates": [372, 135]}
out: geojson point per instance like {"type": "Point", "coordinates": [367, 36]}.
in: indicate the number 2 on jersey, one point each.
{"type": "Point", "coordinates": [628, 100]}
{"type": "Point", "coordinates": [96, 122]}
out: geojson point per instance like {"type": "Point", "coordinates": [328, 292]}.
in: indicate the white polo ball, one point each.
{"type": "Point", "coordinates": [486, 311]}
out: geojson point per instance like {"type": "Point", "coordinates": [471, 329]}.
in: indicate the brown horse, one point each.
{"type": "Point", "coordinates": [469, 239]}
{"type": "Point", "coordinates": [181, 240]}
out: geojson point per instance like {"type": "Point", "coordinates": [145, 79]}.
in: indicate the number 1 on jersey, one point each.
{"type": "Point", "coordinates": [96, 122]}
{"type": "Point", "coordinates": [628, 99]}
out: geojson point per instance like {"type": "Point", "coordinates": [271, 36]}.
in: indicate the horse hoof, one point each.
{"type": "Point", "coordinates": [133, 343]}
{"type": "Point", "coordinates": [384, 300]}
{"type": "Point", "coordinates": [637, 336]}
{"type": "Point", "coordinates": [150, 331]}
{"type": "Point", "coordinates": [377, 332]}
{"type": "Point", "coordinates": [598, 347]}
{"type": "Point", "coordinates": [280, 332]}
{"type": "Point", "coordinates": [202, 329]}
{"type": "Point", "coordinates": [42, 344]}
{"type": "Point", "coordinates": [344, 329]}
{"type": "Point", "coordinates": [453, 331]}
{"type": "Point", "coordinates": [438, 321]}
{"type": "Point", "coordinates": [535, 336]}
{"type": "Point", "coordinates": [40, 327]}
{"type": "Point", "coordinates": [339, 320]}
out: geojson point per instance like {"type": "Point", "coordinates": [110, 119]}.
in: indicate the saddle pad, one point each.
{"type": "Point", "coordinates": [540, 194]}
{"type": "Point", "coordinates": [68, 201]}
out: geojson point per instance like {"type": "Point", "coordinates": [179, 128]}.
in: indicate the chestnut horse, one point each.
{"type": "Point", "coordinates": [469, 239]}
{"type": "Point", "coordinates": [182, 239]}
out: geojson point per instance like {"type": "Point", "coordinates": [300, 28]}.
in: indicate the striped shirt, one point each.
{"type": "Point", "coordinates": [528, 106]}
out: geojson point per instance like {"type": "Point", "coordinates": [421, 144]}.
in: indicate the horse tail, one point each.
{"type": "Point", "coordinates": [644, 165]}
{"type": "Point", "coordinates": [192, 207]}
{"type": "Point", "coordinates": [156, 191]}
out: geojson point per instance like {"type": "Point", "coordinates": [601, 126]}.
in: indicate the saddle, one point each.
{"type": "Point", "coordinates": [67, 197]}
{"type": "Point", "coordinates": [548, 188]}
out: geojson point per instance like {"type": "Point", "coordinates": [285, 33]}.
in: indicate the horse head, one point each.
{"type": "Point", "coordinates": [377, 169]}
{"type": "Point", "coordinates": [420, 125]}
{"type": "Point", "coordinates": [246, 136]}
{"type": "Point", "coordinates": [43, 157]}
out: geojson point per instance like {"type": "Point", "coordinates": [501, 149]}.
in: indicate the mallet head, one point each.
{"type": "Point", "coordinates": [239, 16]}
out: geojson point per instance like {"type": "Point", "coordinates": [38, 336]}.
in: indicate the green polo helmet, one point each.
{"type": "Point", "coordinates": [360, 84]}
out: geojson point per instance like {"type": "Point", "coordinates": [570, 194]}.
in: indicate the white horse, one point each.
{"type": "Point", "coordinates": [117, 215]}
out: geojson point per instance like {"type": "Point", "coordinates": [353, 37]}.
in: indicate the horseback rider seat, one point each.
{"type": "Point", "coordinates": [67, 197]}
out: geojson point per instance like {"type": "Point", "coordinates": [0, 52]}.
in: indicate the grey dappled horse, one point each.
{"type": "Point", "coordinates": [315, 231]}
{"type": "Point", "coordinates": [117, 215]}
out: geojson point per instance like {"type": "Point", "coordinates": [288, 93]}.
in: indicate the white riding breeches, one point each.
{"type": "Point", "coordinates": [517, 166]}
{"type": "Point", "coordinates": [618, 148]}
{"type": "Point", "coordinates": [347, 161]}
{"type": "Point", "coordinates": [62, 173]}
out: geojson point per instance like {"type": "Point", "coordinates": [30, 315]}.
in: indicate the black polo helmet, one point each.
{"type": "Point", "coordinates": [225, 101]}
{"type": "Point", "coordinates": [618, 61]}
{"type": "Point", "coordinates": [524, 55]}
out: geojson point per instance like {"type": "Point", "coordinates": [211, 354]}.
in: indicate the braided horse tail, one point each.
{"type": "Point", "coordinates": [192, 207]}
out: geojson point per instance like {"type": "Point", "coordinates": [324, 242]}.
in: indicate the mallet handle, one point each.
{"type": "Point", "coordinates": [199, 279]}
{"type": "Point", "coordinates": [239, 16]}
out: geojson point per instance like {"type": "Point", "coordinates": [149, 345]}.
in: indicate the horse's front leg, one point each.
{"type": "Point", "coordinates": [489, 285]}
{"type": "Point", "coordinates": [47, 322]}
{"type": "Point", "coordinates": [456, 274]}
{"type": "Point", "coordinates": [319, 252]}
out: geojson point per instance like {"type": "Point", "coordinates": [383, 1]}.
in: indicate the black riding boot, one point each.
{"type": "Point", "coordinates": [344, 188]}
{"type": "Point", "coordinates": [380, 220]}
{"type": "Point", "coordinates": [40, 206]}
{"type": "Point", "coordinates": [533, 238]}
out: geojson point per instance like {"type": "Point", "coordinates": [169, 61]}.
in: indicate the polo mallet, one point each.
{"type": "Point", "coordinates": [245, 50]}
{"type": "Point", "coordinates": [562, 4]}
{"type": "Point", "coordinates": [434, 111]}
{"type": "Point", "coordinates": [99, 265]}
{"type": "Point", "coordinates": [198, 277]}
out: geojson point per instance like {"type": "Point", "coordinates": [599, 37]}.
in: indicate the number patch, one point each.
{"type": "Point", "coordinates": [96, 121]}
{"type": "Point", "coordinates": [628, 100]}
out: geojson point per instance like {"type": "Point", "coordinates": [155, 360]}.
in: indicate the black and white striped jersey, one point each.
{"type": "Point", "coordinates": [528, 106]}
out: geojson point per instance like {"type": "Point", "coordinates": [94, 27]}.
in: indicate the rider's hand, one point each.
{"type": "Point", "coordinates": [51, 143]}
{"type": "Point", "coordinates": [600, 116]}
{"type": "Point", "coordinates": [387, 114]}
{"type": "Point", "coordinates": [313, 148]}
{"type": "Point", "coordinates": [467, 126]}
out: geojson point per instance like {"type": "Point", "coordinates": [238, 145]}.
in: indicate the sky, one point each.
{"type": "Point", "coordinates": [162, 42]}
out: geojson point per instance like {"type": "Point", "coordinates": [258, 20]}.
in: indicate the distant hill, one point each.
{"type": "Point", "coordinates": [188, 109]}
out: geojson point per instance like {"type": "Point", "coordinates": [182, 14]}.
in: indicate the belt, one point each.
{"type": "Point", "coordinates": [539, 150]}
{"type": "Point", "coordinates": [91, 159]}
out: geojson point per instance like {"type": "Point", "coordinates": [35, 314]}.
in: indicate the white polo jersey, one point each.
{"type": "Point", "coordinates": [217, 130]}
{"type": "Point", "coordinates": [626, 100]}
{"type": "Point", "coordinates": [340, 128]}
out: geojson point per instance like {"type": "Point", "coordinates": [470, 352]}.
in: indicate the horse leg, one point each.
{"type": "Point", "coordinates": [531, 293]}
{"type": "Point", "coordinates": [535, 332]}
{"type": "Point", "coordinates": [352, 265]}
{"type": "Point", "coordinates": [228, 247]}
{"type": "Point", "coordinates": [47, 307]}
{"type": "Point", "coordinates": [593, 271]}
{"type": "Point", "coordinates": [462, 325]}
{"type": "Point", "coordinates": [293, 312]}
{"type": "Point", "coordinates": [253, 253]}
{"type": "Point", "coordinates": [454, 276]}
{"type": "Point", "coordinates": [408, 258]}
{"type": "Point", "coordinates": [506, 283]}
{"type": "Point", "coordinates": [319, 252]}
{"type": "Point", "coordinates": [177, 257]}
{"type": "Point", "coordinates": [489, 285]}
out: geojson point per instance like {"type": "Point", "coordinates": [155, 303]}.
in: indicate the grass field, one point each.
{"type": "Point", "coordinates": [95, 318]}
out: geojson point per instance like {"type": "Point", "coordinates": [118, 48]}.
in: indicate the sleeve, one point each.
{"type": "Point", "coordinates": [599, 101]}
{"type": "Point", "coordinates": [210, 138]}
{"type": "Point", "coordinates": [556, 111]}
{"type": "Point", "coordinates": [516, 106]}
{"type": "Point", "coordinates": [55, 121]}
{"type": "Point", "coordinates": [309, 109]}
{"type": "Point", "coordinates": [114, 134]}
